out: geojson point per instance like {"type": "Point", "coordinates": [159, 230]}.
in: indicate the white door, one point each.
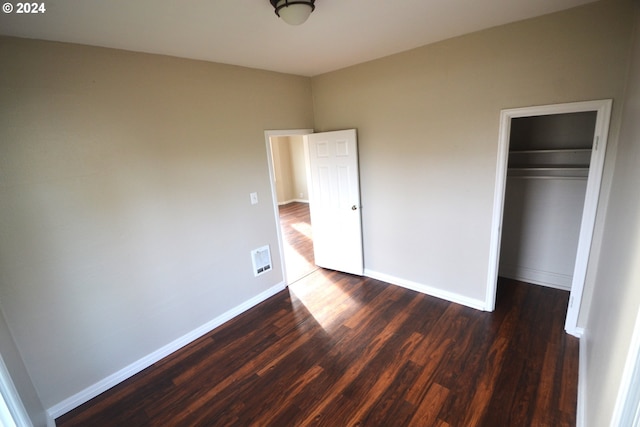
{"type": "Point", "coordinates": [334, 193]}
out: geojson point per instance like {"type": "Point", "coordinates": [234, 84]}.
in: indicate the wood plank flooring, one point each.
{"type": "Point", "coordinates": [295, 222]}
{"type": "Point", "coordinates": [340, 350]}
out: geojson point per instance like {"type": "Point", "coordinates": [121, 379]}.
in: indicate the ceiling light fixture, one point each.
{"type": "Point", "coordinates": [293, 12]}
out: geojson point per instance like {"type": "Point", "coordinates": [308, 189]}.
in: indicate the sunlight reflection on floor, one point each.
{"type": "Point", "coordinates": [297, 265]}
{"type": "Point", "coordinates": [302, 228]}
{"type": "Point", "coordinates": [325, 300]}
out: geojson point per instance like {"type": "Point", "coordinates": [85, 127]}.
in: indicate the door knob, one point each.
{"type": "Point", "coordinates": [354, 207]}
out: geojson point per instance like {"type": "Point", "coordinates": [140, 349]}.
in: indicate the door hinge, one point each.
{"type": "Point", "coordinates": [596, 144]}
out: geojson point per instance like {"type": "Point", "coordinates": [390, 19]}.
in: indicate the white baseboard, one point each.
{"type": "Point", "coordinates": [293, 200]}
{"type": "Point", "coordinates": [577, 332]}
{"type": "Point", "coordinates": [428, 290]}
{"type": "Point", "coordinates": [537, 277]}
{"type": "Point", "coordinates": [582, 384]}
{"type": "Point", "coordinates": [127, 372]}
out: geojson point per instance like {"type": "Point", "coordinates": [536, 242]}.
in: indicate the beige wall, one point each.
{"type": "Point", "coordinates": [124, 198]}
{"type": "Point", "coordinates": [428, 120]}
{"type": "Point", "coordinates": [289, 168]}
{"type": "Point", "coordinates": [299, 168]}
{"type": "Point", "coordinates": [616, 296]}
{"type": "Point", "coordinates": [282, 168]}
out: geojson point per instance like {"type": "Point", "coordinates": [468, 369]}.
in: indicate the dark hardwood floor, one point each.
{"type": "Point", "coordinates": [339, 350]}
{"type": "Point", "coordinates": [295, 222]}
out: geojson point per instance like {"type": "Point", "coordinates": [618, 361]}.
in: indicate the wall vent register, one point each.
{"type": "Point", "coordinates": [261, 258]}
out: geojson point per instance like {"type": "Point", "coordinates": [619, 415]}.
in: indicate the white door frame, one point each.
{"type": "Point", "coordinates": [626, 411]}
{"type": "Point", "coordinates": [601, 132]}
{"type": "Point", "coordinates": [274, 195]}
{"type": "Point", "coordinates": [17, 414]}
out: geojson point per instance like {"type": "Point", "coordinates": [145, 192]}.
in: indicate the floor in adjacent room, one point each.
{"type": "Point", "coordinates": [297, 233]}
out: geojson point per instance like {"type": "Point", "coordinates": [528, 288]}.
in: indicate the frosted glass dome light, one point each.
{"type": "Point", "coordinates": [293, 12]}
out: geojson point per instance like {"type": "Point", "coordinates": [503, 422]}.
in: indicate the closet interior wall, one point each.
{"type": "Point", "coordinates": [544, 197]}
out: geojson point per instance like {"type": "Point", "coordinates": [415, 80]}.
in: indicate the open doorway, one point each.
{"type": "Point", "coordinates": [562, 168]}
{"type": "Point", "coordinates": [333, 185]}
{"type": "Point", "coordinates": [289, 176]}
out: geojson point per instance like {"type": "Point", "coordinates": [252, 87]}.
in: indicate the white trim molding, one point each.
{"type": "Point", "coordinates": [426, 289]}
{"type": "Point", "coordinates": [286, 202]}
{"type": "Point", "coordinates": [129, 371]}
{"type": "Point", "coordinates": [582, 384]}
{"type": "Point", "coordinates": [549, 279]}
{"type": "Point", "coordinates": [627, 409]}
{"type": "Point", "coordinates": [8, 392]}
{"type": "Point", "coordinates": [592, 196]}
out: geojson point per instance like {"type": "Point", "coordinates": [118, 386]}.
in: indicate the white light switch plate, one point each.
{"type": "Point", "coordinates": [254, 198]}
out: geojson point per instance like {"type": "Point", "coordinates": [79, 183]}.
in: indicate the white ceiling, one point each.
{"type": "Point", "coordinates": [247, 32]}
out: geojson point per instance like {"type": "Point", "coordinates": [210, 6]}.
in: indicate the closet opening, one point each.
{"type": "Point", "coordinates": [547, 171]}
{"type": "Point", "coordinates": [547, 187]}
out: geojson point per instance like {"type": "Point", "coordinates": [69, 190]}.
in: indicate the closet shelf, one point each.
{"type": "Point", "coordinates": [549, 171]}
{"type": "Point", "coordinates": [561, 163]}
{"type": "Point", "coordinates": [550, 151]}
{"type": "Point", "coordinates": [550, 168]}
